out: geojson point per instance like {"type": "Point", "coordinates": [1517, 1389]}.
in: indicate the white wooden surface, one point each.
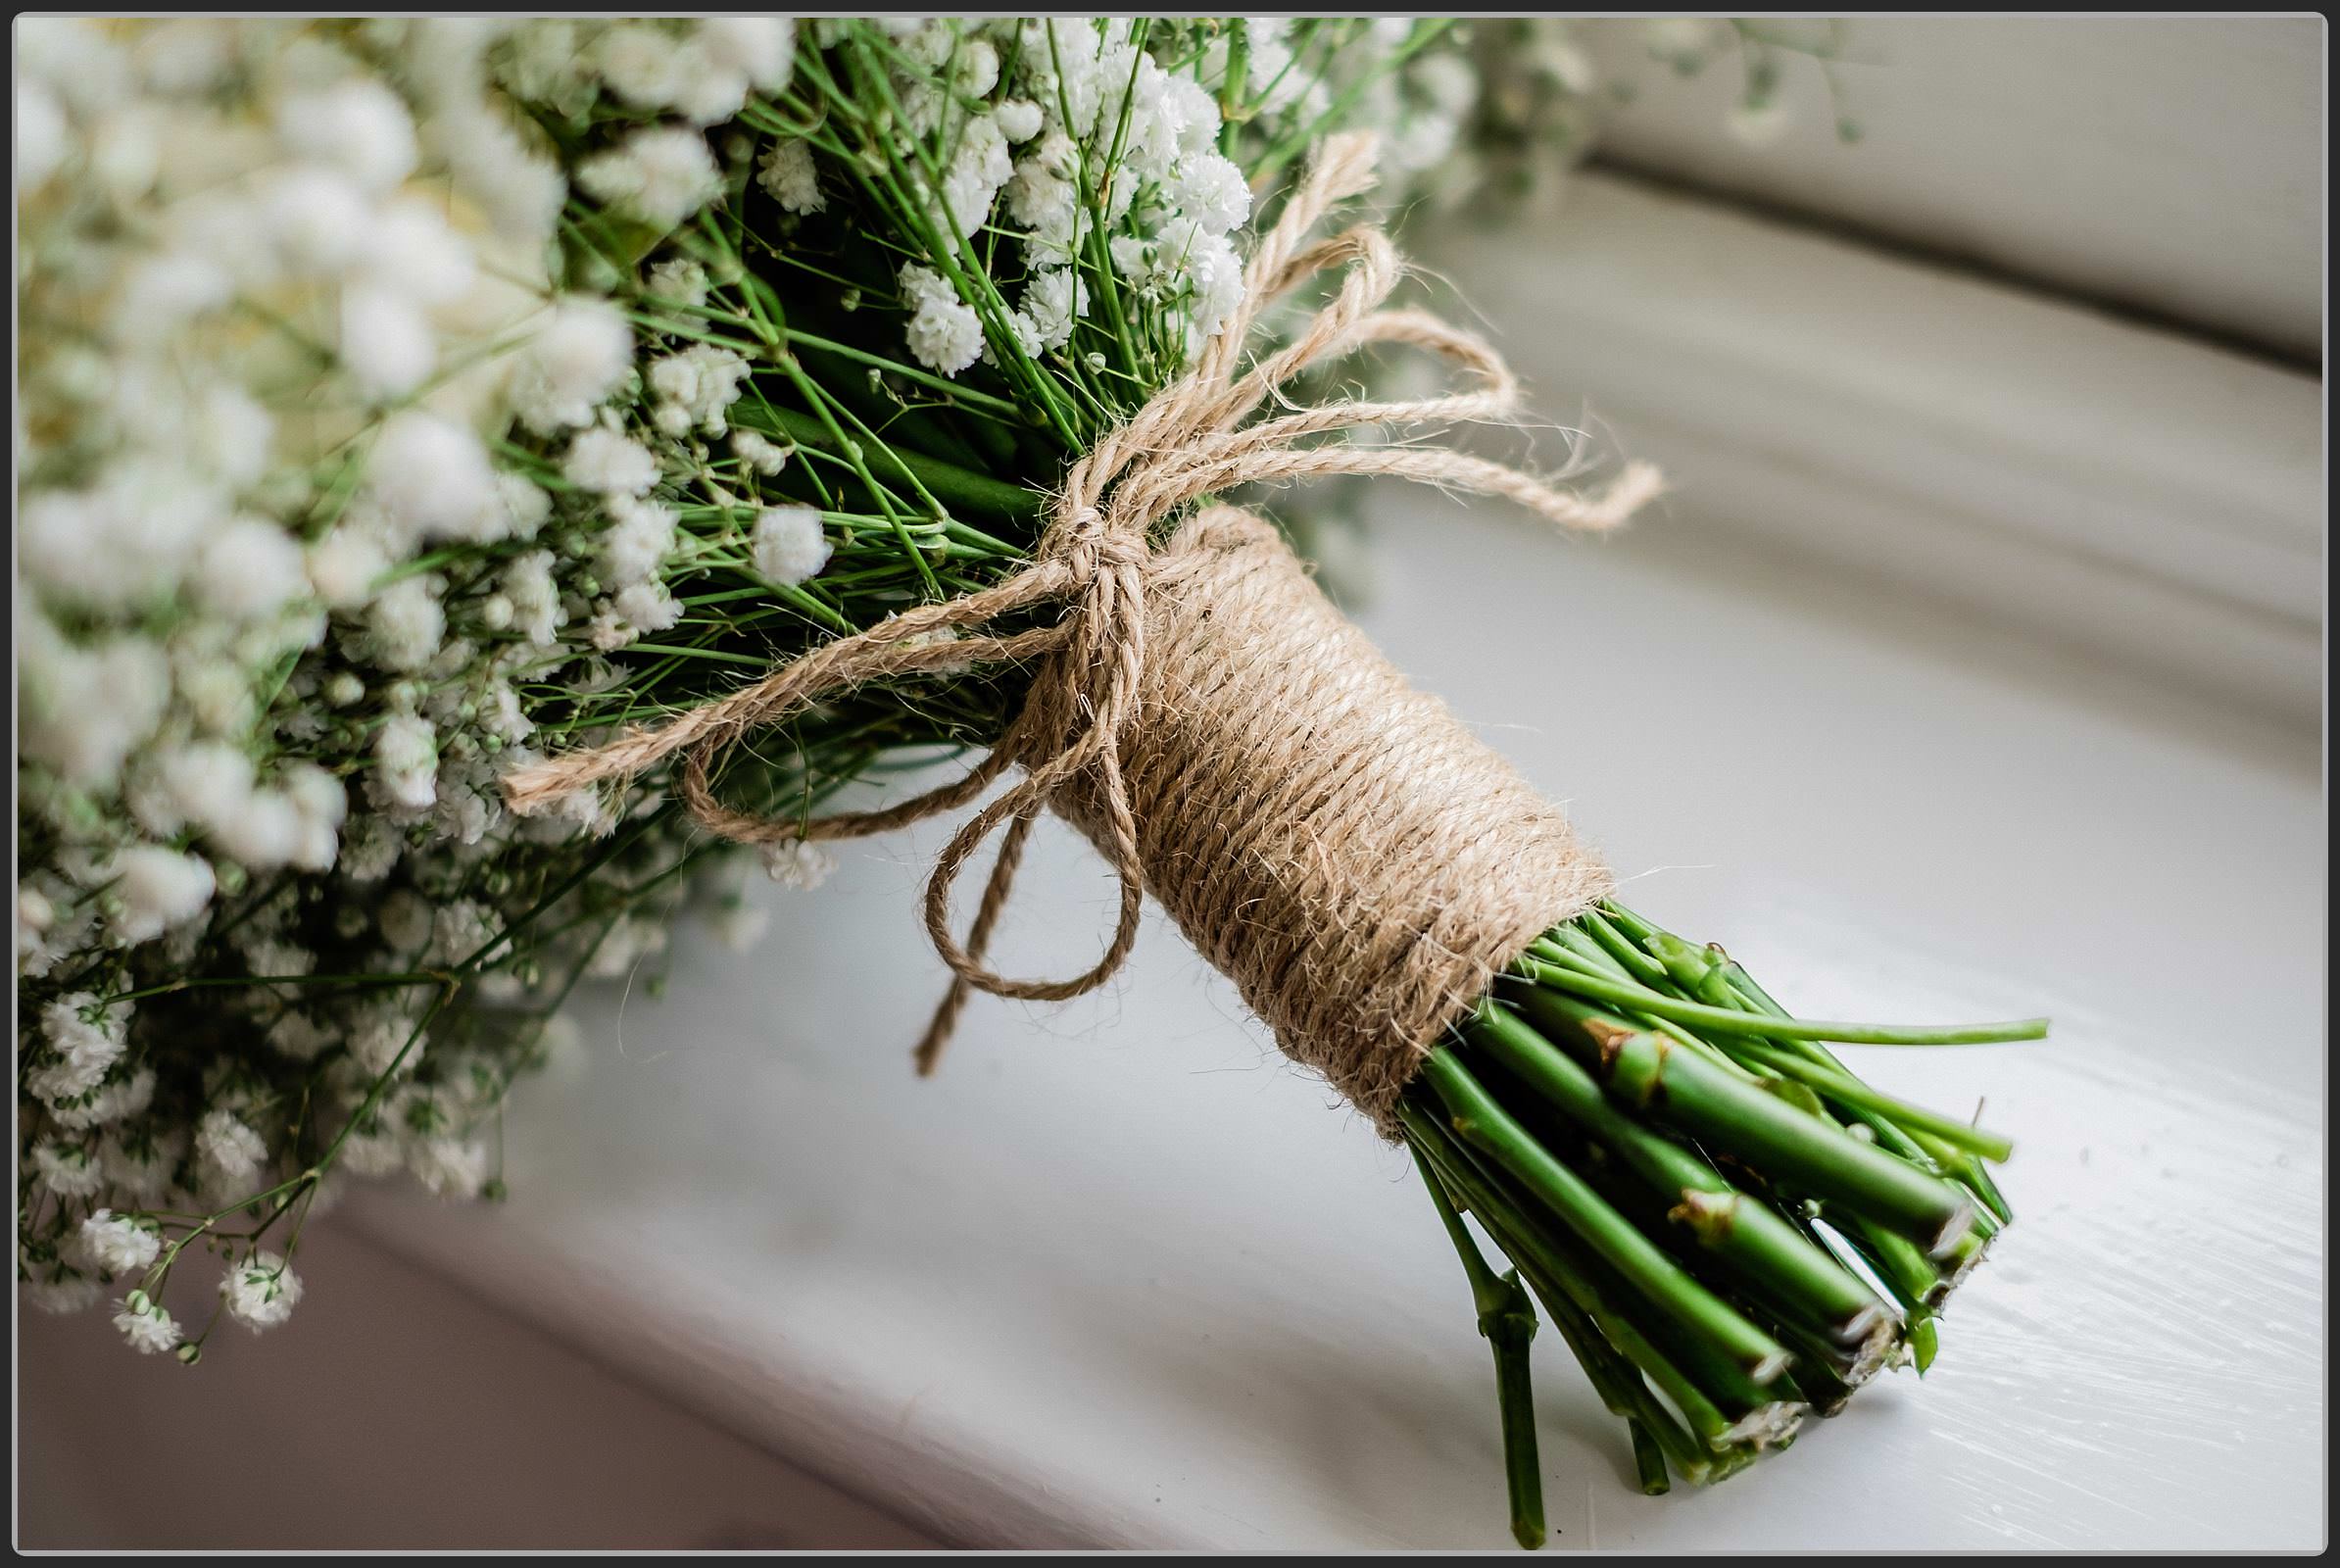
{"type": "Point", "coordinates": [2172, 163]}
{"type": "Point", "coordinates": [395, 1412]}
{"type": "Point", "coordinates": [1118, 1278]}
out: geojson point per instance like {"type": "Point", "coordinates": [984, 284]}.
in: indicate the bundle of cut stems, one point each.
{"type": "Point", "coordinates": [1728, 1228]}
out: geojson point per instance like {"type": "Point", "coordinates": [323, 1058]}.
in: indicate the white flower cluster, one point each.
{"type": "Point", "coordinates": [1087, 131]}
{"type": "Point", "coordinates": [281, 583]}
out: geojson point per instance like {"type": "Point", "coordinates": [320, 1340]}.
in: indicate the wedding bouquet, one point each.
{"type": "Point", "coordinates": [479, 477]}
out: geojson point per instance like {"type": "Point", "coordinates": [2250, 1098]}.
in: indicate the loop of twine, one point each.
{"type": "Point", "coordinates": [1096, 559]}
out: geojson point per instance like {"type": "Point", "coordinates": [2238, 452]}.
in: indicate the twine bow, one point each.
{"type": "Point", "coordinates": [1096, 559]}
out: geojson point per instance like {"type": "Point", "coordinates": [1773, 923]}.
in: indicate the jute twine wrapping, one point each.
{"type": "Point", "coordinates": [1333, 840]}
{"type": "Point", "coordinates": [1330, 839]}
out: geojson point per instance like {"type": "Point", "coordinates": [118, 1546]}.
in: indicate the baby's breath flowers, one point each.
{"type": "Point", "coordinates": [403, 398]}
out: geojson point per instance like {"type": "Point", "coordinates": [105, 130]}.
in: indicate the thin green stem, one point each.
{"type": "Point", "coordinates": [1726, 1021]}
{"type": "Point", "coordinates": [1507, 1320]}
{"type": "Point", "coordinates": [1484, 1125]}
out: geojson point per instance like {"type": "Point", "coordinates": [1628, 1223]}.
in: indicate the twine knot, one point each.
{"type": "Point", "coordinates": [1098, 560]}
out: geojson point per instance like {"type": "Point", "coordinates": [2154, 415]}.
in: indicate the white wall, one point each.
{"type": "Point", "coordinates": [2170, 164]}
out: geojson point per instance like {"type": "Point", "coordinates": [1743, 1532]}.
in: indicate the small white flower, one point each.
{"type": "Point", "coordinates": [372, 1153]}
{"type": "Point", "coordinates": [84, 709]}
{"type": "Point", "coordinates": [158, 888]}
{"type": "Point", "coordinates": [646, 607]}
{"type": "Point", "coordinates": [230, 1148]}
{"type": "Point", "coordinates": [318, 219]}
{"type": "Point", "coordinates": [609, 631]}
{"type": "Point", "coordinates": [387, 344]}
{"type": "Point", "coordinates": [701, 384]}
{"type": "Point", "coordinates": [763, 48]}
{"type": "Point", "coordinates": [35, 913]}
{"type": "Point", "coordinates": [1052, 302]}
{"type": "Point", "coordinates": [643, 64]}
{"type": "Point", "coordinates": [345, 565]}
{"type": "Point", "coordinates": [357, 125]}
{"type": "Point", "coordinates": [299, 1036]}
{"type": "Point", "coordinates": [87, 1037]}
{"type": "Point", "coordinates": [1211, 191]}
{"type": "Point", "coordinates": [405, 753]}
{"type": "Point", "coordinates": [114, 1100]}
{"type": "Point", "coordinates": [369, 849]}
{"type": "Point", "coordinates": [431, 474]}
{"type": "Point", "coordinates": [451, 1167]}
{"type": "Point", "coordinates": [114, 1245]}
{"type": "Point", "coordinates": [520, 510]}
{"type": "Point", "coordinates": [150, 1330]}
{"type": "Point", "coordinates": [943, 333]}
{"type": "Point", "coordinates": [163, 292]}
{"type": "Point", "coordinates": [570, 366]}
{"type": "Point", "coordinates": [761, 456]}
{"type": "Point", "coordinates": [66, 1169]}
{"type": "Point", "coordinates": [633, 550]}
{"type": "Point", "coordinates": [63, 1293]}
{"type": "Point", "coordinates": [1218, 282]}
{"type": "Point", "coordinates": [789, 544]}
{"type": "Point", "coordinates": [205, 782]}
{"type": "Point", "coordinates": [788, 172]}
{"type": "Point", "coordinates": [497, 171]}
{"type": "Point", "coordinates": [796, 863]}
{"type": "Point", "coordinates": [681, 280]}
{"type": "Point", "coordinates": [416, 254]}
{"type": "Point", "coordinates": [406, 625]}
{"type": "Point", "coordinates": [605, 462]}
{"type": "Point", "coordinates": [320, 805]}
{"type": "Point", "coordinates": [259, 1292]}
{"type": "Point", "coordinates": [661, 175]}
{"type": "Point", "coordinates": [536, 612]}
{"type": "Point", "coordinates": [248, 570]}
{"type": "Point", "coordinates": [1019, 120]}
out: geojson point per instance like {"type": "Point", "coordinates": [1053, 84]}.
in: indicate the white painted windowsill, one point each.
{"type": "Point", "coordinates": [2150, 501]}
{"type": "Point", "coordinates": [1119, 1278]}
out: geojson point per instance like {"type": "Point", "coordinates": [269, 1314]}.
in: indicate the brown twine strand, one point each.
{"type": "Point", "coordinates": [1073, 736]}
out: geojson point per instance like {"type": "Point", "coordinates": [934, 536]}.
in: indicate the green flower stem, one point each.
{"type": "Point", "coordinates": [1924, 1340]}
{"type": "Point", "coordinates": [1907, 1143]}
{"type": "Point", "coordinates": [1850, 1091]}
{"type": "Point", "coordinates": [1621, 949]}
{"type": "Point", "coordinates": [956, 488]}
{"type": "Point", "coordinates": [1730, 1020]}
{"type": "Point", "coordinates": [1551, 1265]}
{"type": "Point", "coordinates": [1649, 1461]}
{"type": "Point", "coordinates": [964, 397]}
{"type": "Point", "coordinates": [1745, 993]}
{"type": "Point", "coordinates": [1717, 1215]}
{"type": "Point", "coordinates": [1486, 1127]}
{"type": "Point", "coordinates": [1790, 1145]}
{"type": "Point", "coordinates": [1614, 1354]}
{"type": "Point", "coordinates": [1507, 1320]}
{"type": "Point", "coordinates": [1898, 1261]}
{"type": "Point", "coordinates": [1817, 1383]}
{"type": "Point", "coordinates": [1979, 1182]}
